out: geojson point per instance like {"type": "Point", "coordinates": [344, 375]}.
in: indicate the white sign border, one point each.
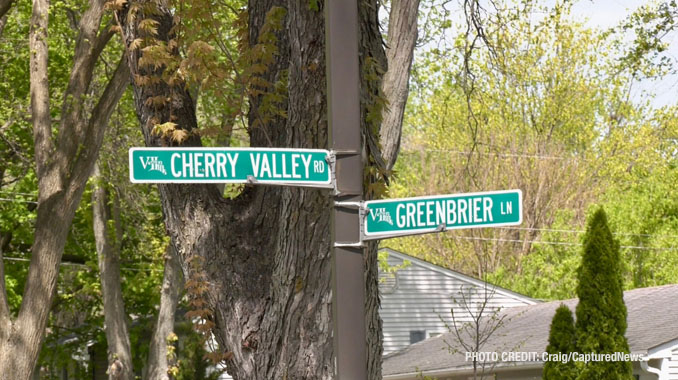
{"type": "Point", "coordinates": [324, 184]}
{"type": "Point", "coordinates": [391, 234]}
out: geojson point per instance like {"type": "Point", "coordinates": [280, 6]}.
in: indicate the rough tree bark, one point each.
{"type": "Point", "coordinates": [267, 250]}
{"type": "Point", "coordinates": [63, 164]}
{"type": "Point", "coordinates": [371, 57]}
{"type": "Point", "coordinates": [108, 251]}
{"type": "Point", "coordinates": [401, 39]}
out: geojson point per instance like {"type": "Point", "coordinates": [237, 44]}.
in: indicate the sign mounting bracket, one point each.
{"type": "Point", "coordinates": [362, 214]}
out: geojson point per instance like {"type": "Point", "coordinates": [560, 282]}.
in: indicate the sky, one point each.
{"type": "Point", "coordinates": [608, 13]}
{"type": "Point", "coordinates": [605, 14]}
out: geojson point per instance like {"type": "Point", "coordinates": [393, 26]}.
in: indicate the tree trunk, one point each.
{"type": "Point", "coordinates": [117, 334]}
{"type": "Point", "coordinates": [268, 250]}
{"type": "Point", "coordinates": [63, 165]}
{"type": "Point", "coordinates": [3, 23]}
{"type": "Point", "coordinates": [401, 39]}
{"type": "Point", "coordinates": [120, 365]}
{"type": "Point", "coordinates": [172, 284]}
{"type": "Point", "coordinates": [5, 5]}
{"type": "Point", "coordinates": [371, 58]}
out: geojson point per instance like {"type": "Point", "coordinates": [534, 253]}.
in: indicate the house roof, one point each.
{"type": "Point", "coordinates": [459, 275]}
{"type": "Point", "coordinates": [651, 322]}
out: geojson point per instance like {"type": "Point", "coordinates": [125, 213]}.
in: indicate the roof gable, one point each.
{"type": "Point", "coordinates": [459, 276]}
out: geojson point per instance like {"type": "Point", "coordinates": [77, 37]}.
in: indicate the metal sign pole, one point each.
{"type": "Point", "coordinates": [343, 102]}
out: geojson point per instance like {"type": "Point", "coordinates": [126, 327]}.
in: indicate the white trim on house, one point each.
{"type": "Point", "coordinates": [663, 350]}
{"type": "Point", "coordinates": [672, 364]}
{"type": "Point", "coordinates": [651, 370]}
{"type": "Point", "coordinates": [667, 356]}
{"type": "Point", "coordinates": [460, 276]}
{"type": "Point", "coordinates": [461, 371]}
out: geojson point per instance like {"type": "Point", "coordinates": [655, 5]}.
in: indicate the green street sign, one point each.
{"type": "Point", "coordinates": [275, 166]}
{"type": "Point", "coordinates": [410, 216]}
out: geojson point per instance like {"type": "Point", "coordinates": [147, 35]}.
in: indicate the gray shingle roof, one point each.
{"type": "Point", "coordinates": [652, 321]}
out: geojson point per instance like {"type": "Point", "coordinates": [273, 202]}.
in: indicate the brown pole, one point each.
{"type": "Point", "coordinates": [343, 100]}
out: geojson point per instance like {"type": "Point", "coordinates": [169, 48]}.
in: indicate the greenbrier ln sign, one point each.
{"type": "Point", "coordinates": [409, 216]}
{"type": "Point", "coordinates": [298, 167]}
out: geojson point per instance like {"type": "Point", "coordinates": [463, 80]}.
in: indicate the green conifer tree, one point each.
{"type": "Point", "coordinates": [562, 340]}
{"type": "Point", "coordinates": [601, 312]}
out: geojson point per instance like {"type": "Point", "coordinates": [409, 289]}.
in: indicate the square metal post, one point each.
{"type": "Point", "coordinates": [343, 102]}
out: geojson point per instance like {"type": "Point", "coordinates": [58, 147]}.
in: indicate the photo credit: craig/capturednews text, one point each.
{"type": "Point", "coordinates": [533, 356]}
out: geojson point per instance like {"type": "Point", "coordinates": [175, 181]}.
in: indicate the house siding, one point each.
{"type": "Point", "coordinates": [422, 296]}
{"type": "Point", "coordinates": [673, 365]}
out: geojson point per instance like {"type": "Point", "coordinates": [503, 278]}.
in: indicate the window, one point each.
{"type": "Point", "coordinates": [417, 336]}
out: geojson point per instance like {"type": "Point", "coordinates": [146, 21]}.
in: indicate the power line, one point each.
{"type": "Point", "coordinates": [581, 231]}
{"type": "Point", "coordinates": [18, 193]}
{"type": "Point", "coordinates": [559, 243]}
{"type": "Point", "coordinates": [15, 200]}
{"type": "Point", "coordinates": [83, 266]}
{"type": "Point", "coordinates": [27, 260]}
{"type": "Point", "coordinates": [508, 155]}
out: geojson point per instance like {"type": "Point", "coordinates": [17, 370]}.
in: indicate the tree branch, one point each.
{"type": "Point", "coordinates": [117, 335]}
{"type": "Point", "coordinates": [87, 49]}
{"type": "Point", "coordinates": [39, 85]}
{"type": "Point", "coordinates": [172, 285]}
{"type": "Point", "coordinates": [5, 316]}
{"type": "Point", "coordinates": [3, 22]}
{"type": "Point", "coordinates": [102, 112]}
{"type": "Point", "coordinates": [61, 181]}
{"type": "Point", "coordinates": [402, 37]}
{"type": "Point", "coordinates": [56, 208]}
{"type": "Point", "coordinates": [102, 40]}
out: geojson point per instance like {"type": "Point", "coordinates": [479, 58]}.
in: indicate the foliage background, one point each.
{"type": "Point", "coordinates": [544, 106]}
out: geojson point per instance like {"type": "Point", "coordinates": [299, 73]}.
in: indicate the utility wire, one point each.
{"type": "Point", "coordinates": [15, 200]}
{"type": "Point", "coordinates": [558, 243]}
{"type": "Point", "coordinates": [18, 193]}
{"type": "Point", "coordinates": [83, 266]}
{"type": "Point", "coordinates": [581, 231]}
{"type": "Point", "coordinates": [509, 155]}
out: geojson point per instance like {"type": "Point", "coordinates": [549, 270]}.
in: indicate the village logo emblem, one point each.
{"type": "Point", "coordinates": [153, 163]}
{"type": "Point", "coordinates": [381, 215]}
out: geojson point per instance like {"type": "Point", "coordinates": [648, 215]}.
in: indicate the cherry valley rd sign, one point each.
{"type": "Point", "coordinates": [310, 167]}
{"type": "Point", "coordinates": [409, 216]}
{"type": "Point", "coordinates": [297, 167]}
